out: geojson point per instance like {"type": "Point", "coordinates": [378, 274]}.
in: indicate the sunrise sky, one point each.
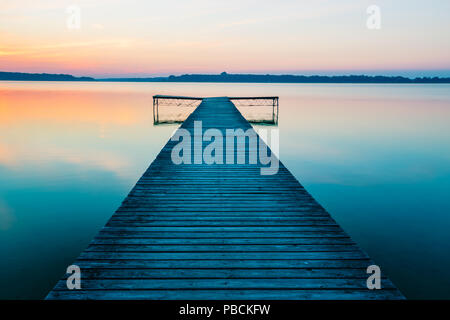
{"type": "Point", "coordinates": [144, 38]}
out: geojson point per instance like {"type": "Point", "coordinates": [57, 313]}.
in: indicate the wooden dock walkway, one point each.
{"type": "Point", "coordinates": [221, 231]}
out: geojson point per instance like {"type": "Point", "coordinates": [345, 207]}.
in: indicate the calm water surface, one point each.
{"type": "Point", "coordinates": [377, 157]}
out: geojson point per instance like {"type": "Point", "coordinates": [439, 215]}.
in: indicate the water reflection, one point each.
{"type": "Point", "coordinates": [67, 159]}
{"type": "Point", "coordinates": [376, 156]}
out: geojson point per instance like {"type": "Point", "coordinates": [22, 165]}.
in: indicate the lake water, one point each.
{"type": "Point", "coordinates": [377, 157]}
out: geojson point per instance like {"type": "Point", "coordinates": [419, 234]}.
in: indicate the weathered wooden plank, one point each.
{"type": "Point", "coordinates": [243, 273]}
{"type": "Point", "coordinates": [224, 241]}
{"type": "Point", "coordinates": [349, 294]}
{"type": "Point", "coordinates": [223, 255]}
{"type": "Point", "coordinates": [232, 283]}
{"type": "Point", "coordinates": [224, 264]}
{"type": "Point", "coordinates": [183, 218]}
{"type": "Point", "coordinates": [224, 214]}
{"type": "Point", "coordinates": [229, 234]}
{"type": "Point", "coordinates": [232, 235]}
{"type": "Point", "coordinates": [332, 228]}
{"type": "Point", "coordinates": [308, 211]}
{"type": "Point", "coordinates": [223, 223]}
{"type": "Point", "coordinates": [217, 247]}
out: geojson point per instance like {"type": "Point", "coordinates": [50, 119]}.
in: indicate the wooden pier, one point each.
{"type": "Point", "coordinates": [221, 231]}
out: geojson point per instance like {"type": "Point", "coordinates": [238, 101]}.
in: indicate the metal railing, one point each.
{"type": "Point", "coordinates": [192, 102]}
{"type": "Point", "coordinates": [174, 101]}
{"type": "Point", "coordinates": [256, 102]}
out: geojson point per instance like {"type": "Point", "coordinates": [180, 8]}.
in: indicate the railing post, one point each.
{"type": "Point", "coordinates": [154, 110]}
{"type": "Point", "coordinates": [273, 110]}
{"type": "Point", "coordinates": [157, 110]}
{"type": "Point", "coordinates": [277, 109]}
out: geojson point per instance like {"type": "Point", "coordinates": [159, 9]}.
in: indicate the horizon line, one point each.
{"type": "Point", "coordinates": [221, 74]}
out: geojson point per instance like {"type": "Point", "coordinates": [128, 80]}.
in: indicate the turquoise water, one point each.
{"type": "Point", "coordinates": [377, 157]}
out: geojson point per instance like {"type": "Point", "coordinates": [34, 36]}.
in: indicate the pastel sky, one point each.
{"type": "Point", "coordinates": [140, 38]}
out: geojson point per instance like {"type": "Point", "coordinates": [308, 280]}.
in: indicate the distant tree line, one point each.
{"type": "Point", "coordinates": [226, 77]}
{"type": "Point", "coordinates": [41, 77]}
{"type": "Point", "coordinates": [269, 78]}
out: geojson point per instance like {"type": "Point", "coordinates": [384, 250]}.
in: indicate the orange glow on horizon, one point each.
{"type": "Point", "coordinates": [115, 38]}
